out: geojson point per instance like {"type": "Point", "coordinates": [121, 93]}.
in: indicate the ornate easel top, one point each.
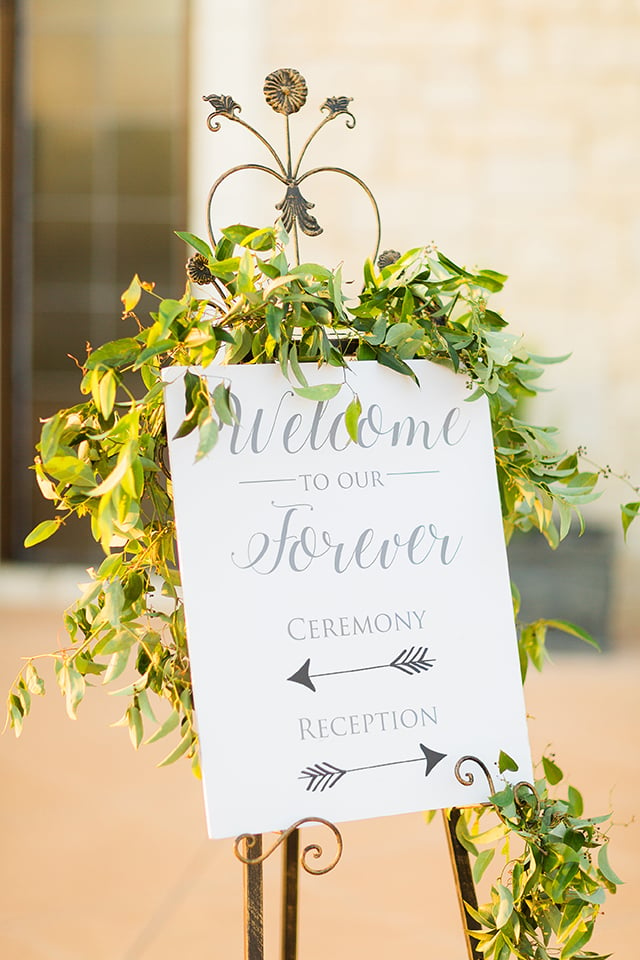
{"type": "Point", "coordinates": [285, 91]}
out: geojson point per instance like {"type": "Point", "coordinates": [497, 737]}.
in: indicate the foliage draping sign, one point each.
{"type": "Point", "coordinates": [348, 606]}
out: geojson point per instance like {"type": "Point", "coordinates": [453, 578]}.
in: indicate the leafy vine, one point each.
{"type": "Point", "coordinates": [105, 459]}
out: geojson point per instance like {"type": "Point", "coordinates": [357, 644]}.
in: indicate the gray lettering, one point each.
{"type": "Point", "coordinates": [289, 630]}
{"type": "Point", "coordinates": [412, 715]}
{"type": "Point", "coordinates": [425, 715]}
{"type": "Point", "coordinates": [305, 727]}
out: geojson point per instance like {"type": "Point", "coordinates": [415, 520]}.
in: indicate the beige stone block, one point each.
{"type": "Point", "coordinates": [592, 45]}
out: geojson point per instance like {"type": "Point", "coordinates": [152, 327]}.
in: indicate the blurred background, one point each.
{"type": "Point", "coordinates": [508, 132]}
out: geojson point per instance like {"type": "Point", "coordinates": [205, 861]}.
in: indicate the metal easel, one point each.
{"type": "Point", "coordinates": [249, 849]}
{"type": "Point", "coordinates": [285, 91]}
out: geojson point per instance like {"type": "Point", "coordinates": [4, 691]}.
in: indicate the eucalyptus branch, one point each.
{"type": "Point", "coordinates": [607, 471]}
{"type": "Point", "coordinates": [105, 460]}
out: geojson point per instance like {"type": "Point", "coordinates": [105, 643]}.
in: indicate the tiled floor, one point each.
{"type": "Point", "coordinates": [104, 857]}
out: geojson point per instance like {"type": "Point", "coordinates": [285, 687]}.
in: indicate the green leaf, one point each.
{"type": "Point", "coordinates": [537, 358]}
{"type": "Point", "coordinates": [453, 267]}
{"type": "Point", "coordinates": [533, 642]}
{"type": "Point", "coordinates": [295, 366]}
{"type": "Point", "coordinates": [352, 417]}
{"type": "Point", "coordinates": [312, 270]}
{"type": "Point", "coordinates": [574, 631]}
{"type": "Point", "coordinates": [605, 867]}
{"type": "Point", "coordinates": [242, 339]}
{"type": "Point", "coordinates": [168, 311]}
{"type": "Point", "coordinates": [378, 331]}
{"type": "Point", "coordinates": [208, 432]}
{"type": "Point", "coordinates": [34, 682]}
{"type": "Point", "coordinates": [263, 239]}
{"type": "Point", "coordinates": [552, 771]}
{"type": "Point", "coordinates": [107, 393]}
{"type": "Point", "coordinates": [51, 436]}
{"type": "Point", "coordinates": [463, 835]}
{"type": "Point", "coordinates": [167, 727]}
{"type": "Point", "coordinates": [117, 474]}
{"type": "Point", "coordinates": [226, 270]}
{"type": "Point", "coordinates": [274, 316]}
{"type": "Point", "coordinates": [268, 269]}
{"type": "Point", "coordinates": [72, 685]}
{"type": "Point", "coordinates": [70, 469]}
{"type": "Point", "coordinates": [481, 863]}
{"type": "Point", "coordinates": [505, 762]}
{"type": "Point", "coordinates": [160, 346]}
{"type": "Point", "coordinates": [221, 398]}
{"type": "Point", "coordinates": [42, 531]}
{"type": "Point", "coordinates": [515, 598]}
{"type": "Point", "coordinates": [246, 272]}
{"type": "Point", "coordinates": [183, 746]}
{"type": "Point", "coordinates": [370, 278]}
{"type": "Point", "coordinates": [195, 242]}
{"type": "Point", "coordinates": [572, 912]}
{"type": "Point", "coordinates": [131, 296]}
{"type": "Point", "coordinates": [116, 665]}
{"type": "Point", "coordinates": [577, 940]}
{"type": "Point", "coordinates": [399, 332]}
{"type": "Point", "coordinates": [224, 249]}
{"type": "Point", "coordinates": [629, 511]}
{"type": "Point", "coordinates": [388, 359]}
{"type": "Point", "coordinates": [115, 354]}
{"type": "Point", "coordinates": [136, 730]}
{"type": "Point", "coordinates": [505, 905]}
{"type": "Point", "coordinates": [576, 803]}
{"type": "Point", "coordinates": [321, 392]}
{"type": "Point", "coordinates": [238, 233]}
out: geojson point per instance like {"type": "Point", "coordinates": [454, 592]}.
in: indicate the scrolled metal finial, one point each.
{"type": "Point", "coordinates": [467, 779]}
{"type": "Point", "coordinates": [285, 90]}
{"type": "Point", "coordinates": [223, 106]}
{"type": "Point", "coordinates": [339, 106]}
{"type": "Point", "coordinates": [313, 849]}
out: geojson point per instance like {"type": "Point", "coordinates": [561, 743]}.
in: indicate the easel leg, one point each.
{"type": "Point", "coordinates": [248, 850]}
{"type": "Point", "coordinates": [290, 896]}
{"type": "Point", "coordinates": [253, 901]}
{"type": "Point", "coordinates": [465, 887]}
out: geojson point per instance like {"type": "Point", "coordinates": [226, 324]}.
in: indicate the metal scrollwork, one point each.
{"type": "Point", "coordinates": [519, 788]}
{"type": "Point", "coordinates": [222, 107]}
{"type": "Point", "coordinates": [285, 91]}
{"type": "Point", "coordinates": [295, 209]}
{"type": "Point", "coordinates": [467, 779]}
{"type": "Point", "coordinates": [339, 106]}
{"type": "Point", "coordinates": [524, 785]}
{"type": "Point", "coordinates": [312, 850]}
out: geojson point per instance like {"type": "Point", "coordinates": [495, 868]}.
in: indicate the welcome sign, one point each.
{"type": "Point", "coordinates": [348, 605]}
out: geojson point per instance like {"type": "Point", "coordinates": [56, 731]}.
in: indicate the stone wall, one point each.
{"type": "Point", "coordinates": [508, 132]}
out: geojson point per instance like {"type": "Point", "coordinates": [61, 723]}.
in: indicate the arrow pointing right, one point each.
{"type": "Point", "coordinates": [326, 775]}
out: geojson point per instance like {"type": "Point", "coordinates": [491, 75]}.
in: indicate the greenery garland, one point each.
{"type": "Point", "coordinates": [105, 458]}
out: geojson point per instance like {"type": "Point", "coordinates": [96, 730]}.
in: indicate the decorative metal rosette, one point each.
{"type": "Point", "coordinates": [198, 270]}
{"type": "Point", "coordinates": [285, 90]}
{"type": "Point", "coordinates": [387, 257]}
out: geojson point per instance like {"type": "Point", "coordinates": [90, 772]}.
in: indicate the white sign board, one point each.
{"type": "Point", "coordinates": [348, 606]}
